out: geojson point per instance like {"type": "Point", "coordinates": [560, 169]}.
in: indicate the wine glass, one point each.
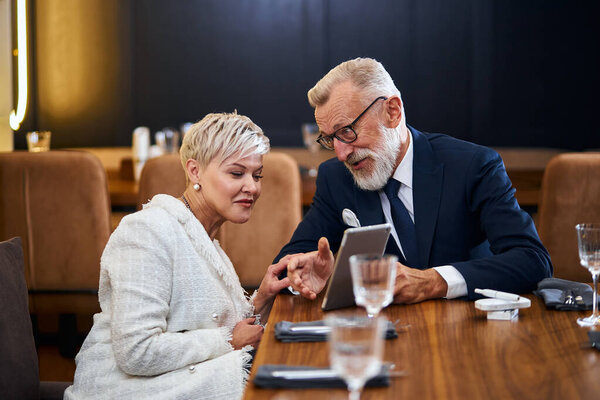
{"type": "Point", "coordinates": [588, 239]}
{"type": "Point", "coordinates": [355, 349]}
{"type": "Point", "coordinates": [373, 278]}
{"type": "Point", "coordinates": [310, 133]}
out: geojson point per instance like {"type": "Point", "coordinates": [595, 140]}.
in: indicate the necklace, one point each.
{"type": "Point", "coordinates": [186, 202]}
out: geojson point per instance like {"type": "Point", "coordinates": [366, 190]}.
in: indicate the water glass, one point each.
{"type": "Point", "coordinates": [38, 141]}
{"type": "Point", "coordinates": [588, 240]}
{"type": "Point", "coordinates": [356, 349]}
{"type": "Point", "coordinates": [167, 140]}
{"type": "Point", "coordinates": [373, 278]}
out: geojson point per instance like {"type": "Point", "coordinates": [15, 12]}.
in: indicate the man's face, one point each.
{"type": "Point", "coordinates": [372, 157]}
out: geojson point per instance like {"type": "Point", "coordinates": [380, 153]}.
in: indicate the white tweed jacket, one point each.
{"type": "Point", "coordinates": [170, 298]}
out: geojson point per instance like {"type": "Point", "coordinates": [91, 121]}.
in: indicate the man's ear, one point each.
{"type": "Point", "coordinates": [393, 111]}
{"type": "Point", "coordinates": [193, 170]}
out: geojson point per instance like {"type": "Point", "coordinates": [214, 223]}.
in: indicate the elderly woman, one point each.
{"type": "Point", "coordinates": [175, 321]}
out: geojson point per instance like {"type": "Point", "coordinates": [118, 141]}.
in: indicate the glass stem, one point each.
{"type": "Point", "coordinates": [595, 297]}
{"type": "Point", "coordinates": [354, 394]}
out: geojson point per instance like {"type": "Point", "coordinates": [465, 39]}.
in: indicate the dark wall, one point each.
{"type": "Point", "coordinates": [500, 73]}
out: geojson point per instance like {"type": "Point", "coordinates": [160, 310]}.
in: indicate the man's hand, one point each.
{"type": "Point", "coordinates": [415, 285]}
{"type": "Point", "coordinates": [309, 272]}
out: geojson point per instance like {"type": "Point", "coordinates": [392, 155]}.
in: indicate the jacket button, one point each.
{"type": "Point", "coordinates": [215, 316]}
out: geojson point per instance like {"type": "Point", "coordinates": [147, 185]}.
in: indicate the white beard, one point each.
{"type": "Point", "coordinates": [384, 161]}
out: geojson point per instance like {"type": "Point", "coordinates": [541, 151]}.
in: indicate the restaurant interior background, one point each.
{"type": "Point", "coordinates": [503, 73]}
{"type": "Point", "coordinates": [499, 73]}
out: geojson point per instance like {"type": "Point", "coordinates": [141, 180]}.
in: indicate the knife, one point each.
{"type": "Point", "coordinates": [306, 374]}
{"type": "Point", "coordinates": [310, 329]}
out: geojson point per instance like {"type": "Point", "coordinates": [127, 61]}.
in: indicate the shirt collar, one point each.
{"type": "Point", "coordinates": [404, 172]}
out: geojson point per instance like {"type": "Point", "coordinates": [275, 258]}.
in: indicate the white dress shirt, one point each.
{"type": "Point", "coordinates": [457, 286]}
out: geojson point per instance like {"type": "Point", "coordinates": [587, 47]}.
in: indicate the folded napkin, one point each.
{"type": "Point", "coordinates": [594, 339]}
{"type": "Point", "coordinates": [565, 295]}
{"type": "Point", "coordinates": [322, 377]}
{"type": "Point", "coordinates": [284, 331]}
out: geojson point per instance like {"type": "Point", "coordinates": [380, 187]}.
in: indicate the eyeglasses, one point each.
{"type": "Point", "coordinates": [345, 134]}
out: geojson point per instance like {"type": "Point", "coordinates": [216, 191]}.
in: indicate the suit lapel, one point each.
{"type": "Point", "coordinates": [427, 191]}
{"type": "Point", "coordinates": [368, 207]}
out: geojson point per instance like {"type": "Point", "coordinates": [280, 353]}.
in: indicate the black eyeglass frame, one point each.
{"type": "Point", "coordinates": [323, 138]}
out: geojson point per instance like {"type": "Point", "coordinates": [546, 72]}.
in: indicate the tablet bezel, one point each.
{"type": "Point", "coordinates": [366, 239]}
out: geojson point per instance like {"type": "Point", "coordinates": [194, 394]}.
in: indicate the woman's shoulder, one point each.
{"type": "Point", "coordinates": [158, 218]}
{"type": "Point", "coordinates": [160, 209]}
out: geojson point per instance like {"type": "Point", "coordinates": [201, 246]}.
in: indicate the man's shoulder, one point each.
{"type": "Point", "coordinates": [335, 167]}
{"type": "Point", "coordinates": [445, 146]}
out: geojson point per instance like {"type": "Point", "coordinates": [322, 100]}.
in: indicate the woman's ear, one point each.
{"type": "Point", "coordinates": [393, 111]}
{"type": "Point", "coordinates": [193, 170]}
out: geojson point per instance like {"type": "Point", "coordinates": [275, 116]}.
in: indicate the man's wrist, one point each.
{"type": "Point", "coordinates": [438, 287]}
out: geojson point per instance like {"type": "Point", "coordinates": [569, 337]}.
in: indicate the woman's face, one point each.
{"type": "Point", "coordinates": [229, 189]}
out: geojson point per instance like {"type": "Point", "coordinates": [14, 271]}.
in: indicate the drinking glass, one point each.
{"type": "Point", "coordinates": [310, 133]}
{"type": "Point", "coordinates": [38, 141]}
{"type": "Point", "coordinates": [355, 349]}
{"type": "Point", "coordinates": [373, 278]}
{"type": "Point", "coordinates": [588, 239]}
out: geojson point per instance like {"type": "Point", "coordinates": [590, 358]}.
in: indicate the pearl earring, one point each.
{"type": "Point", "coordinates": [196, 187]}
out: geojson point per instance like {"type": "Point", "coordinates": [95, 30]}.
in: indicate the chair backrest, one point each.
{"type": "Point", "coordinates": [58, 203]}
{"type": "Point", "coordinates": [162, 174]}
{"type": "Point", "coordinates": [253, 245]}
{"type": "Point", "coordinates": [19, 374]}
{"type": "Point", "coordinates": [570, 195]}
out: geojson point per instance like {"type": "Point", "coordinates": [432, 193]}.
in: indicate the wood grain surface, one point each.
{"type": "Point", "coordinates": [451, 351]}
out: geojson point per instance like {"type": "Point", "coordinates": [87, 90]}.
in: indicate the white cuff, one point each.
{"type": "Point", "coordinates": [457, 287]}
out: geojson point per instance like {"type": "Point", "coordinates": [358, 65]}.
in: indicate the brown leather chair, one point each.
{"type": "Point", "coordinates": [253, 245]}
{"type": "Point", "coordinates": [58, 203]}
{"type": "Point", "coordinates": [162, 174]}
{"type": "Point", "coordinates": [570, 195]}
{"type": "Point", "coordinates": [19, 371]}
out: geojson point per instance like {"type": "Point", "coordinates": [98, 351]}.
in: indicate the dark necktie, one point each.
{"type": "Point", "coordinates": [405, 228]}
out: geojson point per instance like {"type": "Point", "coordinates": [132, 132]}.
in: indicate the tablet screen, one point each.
{"type": "Point", "coordinates": [366, 239]}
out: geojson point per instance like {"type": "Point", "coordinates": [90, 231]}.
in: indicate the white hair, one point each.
{"type": "Point", "coordinates": [220, 136]}
{"type": "Point", "coordinates": [366, 74]}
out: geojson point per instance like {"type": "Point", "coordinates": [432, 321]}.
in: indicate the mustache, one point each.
{"type": "Point", "coordinates": [358, 155]}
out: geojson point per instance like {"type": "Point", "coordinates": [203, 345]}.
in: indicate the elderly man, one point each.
{"type": "Point", "coordinates": [456, 223]}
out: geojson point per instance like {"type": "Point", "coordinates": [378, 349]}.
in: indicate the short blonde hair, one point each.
{"type": "Point", "coordinates": [366, 74]}
{"type": "Point", "coordinates": [221, 135]}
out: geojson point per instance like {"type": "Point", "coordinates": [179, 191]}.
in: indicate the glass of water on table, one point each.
{"type": "Point", "coordinates": [373, 278]}
{"type": "Point", "coordinates": [356, 349]}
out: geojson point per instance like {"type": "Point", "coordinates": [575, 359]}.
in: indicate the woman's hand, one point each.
{"type": "Point", "coordinates": [246, 333]}
{"type": "Point", "coordinates": [271, 285]}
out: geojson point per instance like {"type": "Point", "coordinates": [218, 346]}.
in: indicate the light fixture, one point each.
{"type": "Point", "coordinates": [16, 117]}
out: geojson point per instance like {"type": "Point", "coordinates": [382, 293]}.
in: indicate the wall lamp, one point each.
{"type": "Point", "coordinates": [16, 117]}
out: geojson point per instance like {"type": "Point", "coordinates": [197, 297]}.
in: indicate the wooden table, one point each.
{"type": "Point", "coordinates": [123, 189]}
{"type": "Point", "coordinates": [451, 351]}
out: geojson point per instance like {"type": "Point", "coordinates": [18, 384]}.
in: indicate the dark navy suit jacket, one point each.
{"type": "Point", "coordinates": [465, 212]}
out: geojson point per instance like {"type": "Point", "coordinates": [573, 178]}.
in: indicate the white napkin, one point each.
{"type": "Point", "coordinates": [140, 148]}
{"type": "Point", "coordinates": [140, 143]}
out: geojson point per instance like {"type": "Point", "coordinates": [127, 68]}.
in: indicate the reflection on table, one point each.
{"type": "Point", "coordinates": [451, 351]}
{"type": "Point", "coordinates": [525, 167]}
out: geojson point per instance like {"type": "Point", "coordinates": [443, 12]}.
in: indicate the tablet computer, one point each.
{"type": "Point", "coordinates": [366, 239]}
